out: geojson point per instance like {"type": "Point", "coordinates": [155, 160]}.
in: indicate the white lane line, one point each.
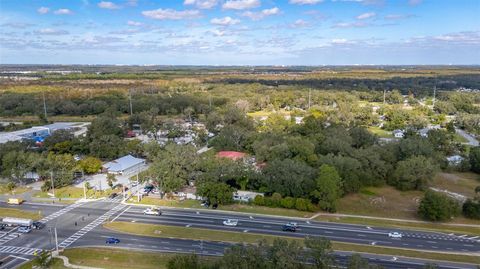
{"type": "Point", "coordinates": [17, 257]}
{"type": "Point", "coordinates": [120, 214]}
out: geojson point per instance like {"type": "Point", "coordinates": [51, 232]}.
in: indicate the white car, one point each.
{"type": "Point", "coordinates": [230, 222]}
{"type": "Point", "coordinates": [152, 211]}
{"type": "Point", "coordinates": [395, 235]}
{"type": "Point", "coordinates": [24, 229]}
{"type": "Point", "coordinates": [293, 224]}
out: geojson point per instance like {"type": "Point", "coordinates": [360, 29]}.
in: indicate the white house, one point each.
{"type": "Point", "coordinates": [124, 165]}
{"type": "Point", "coordinates": [454, 159]}
{"type": "Point", "coordinates": [398, 133]}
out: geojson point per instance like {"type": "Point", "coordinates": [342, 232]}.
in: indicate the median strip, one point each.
{"type": "Point", "coordinates": [166, 231]}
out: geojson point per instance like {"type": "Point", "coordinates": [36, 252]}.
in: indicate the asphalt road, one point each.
{"type": "Point", "coordinates": [80, 225]}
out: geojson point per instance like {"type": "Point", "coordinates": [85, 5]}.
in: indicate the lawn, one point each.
{"type": "Point", "coordinates": [380, 132]}
{"type": "Point", "coordinates": [17, 213]}
{"type": "Point", "coordinates": [213, 235]}
{"type": "Point", "coordinates": [17, 190]}
{"type": "Point", "coordinates": [73, 192]}
{"type": "Point", "coordinates": [462, 183]}
{"type": "Point", "coordinates": [383, 201]}
{"type": "Point", "coordinates": [110, 258]}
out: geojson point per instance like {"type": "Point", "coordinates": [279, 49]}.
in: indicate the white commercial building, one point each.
{"type": "Point", "coordinates": [125, 165]}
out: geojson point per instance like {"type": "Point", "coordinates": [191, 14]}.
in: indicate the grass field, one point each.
{"type": "Point", "coordinates": [110, 258]}
{"type": "Point", "coordinates": [17, 213]}
{"type": "Point", "coordinates": [380, 132]}
{"type": "Point", "coordinates": [383, 201]}
{"type": "Point", "coordinates": [17, 190]}
{"type": "Point", "coordinates": [213, 235]}
{"type": "Point", "coordinates": [462, 183]}
{"type": "Point", "coordinates": [73, 192]}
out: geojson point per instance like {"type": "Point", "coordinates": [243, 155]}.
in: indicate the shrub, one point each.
{"type": "Point", "coordinates": [471, 209]}
{"type": "Point", "coordinates": [438, 206]}
{"type": "Point", "coordinates": [288, 202]}
{"type": "Point", "coordinates": [302, 204]}
{"type": "Point", "coordinates": [276, 199]}
{"type": "Point", "coordinates": [259, 200]}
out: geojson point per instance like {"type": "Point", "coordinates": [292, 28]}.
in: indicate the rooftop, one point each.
{"type": "Point", "coordinates": [233, 155]}
{"type": "Point", "coordinates": [123, 163]}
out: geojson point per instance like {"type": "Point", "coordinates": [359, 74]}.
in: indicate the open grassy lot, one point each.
{"type": "Point", "coordinates": [462, 183]}
{"type": "Point", "coordinates": [17, 190]}
{"type": "Point", "coordinates": [110, 258]}
{"type": "Point", "coordinates": [206, 234]}
{"type": "Point", "coordinates": [73, 192]}
{"type": "Point", "coordinates": [380, 132]}
{"type": "Point", "coordinates": [17, 213]}
{"type": "Point", "coordinates": [383, 201]}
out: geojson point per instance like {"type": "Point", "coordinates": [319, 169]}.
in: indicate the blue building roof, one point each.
{"type": "Point", "coordinates": [123, 163]}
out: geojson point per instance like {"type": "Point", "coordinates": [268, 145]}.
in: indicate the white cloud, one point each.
{"type": "Point", "coordinates": [43, 10]}
{"type": "Point", "coordinates": [134, 23]}
{"type": "Point", "coordinates": [262, 14]}
{"type": "Point", "coordinates": [63, 11]}
{"type": "Point", "coordinates": [341, 41]}
{"type": "Point", "coordinates": [202, 4]}
{"type": "Point", "coordinates": [398, 16]}
{"type": "Point", "coordinates": [305, 2]}
{"type": "Point", "coordinates": [299, 23]}
{"type": "Point", "coordinates": [241, 4]}
{"type": "Point", "coordinates": [414, 2]}
{"type": "Point", "coordinates": [132, 3]}
{"type": "Point", "coordinates": [357, 24]}
{"type": "Point", "coordinates": [367, 15]}
{"type": "Point", "coordinates": [171, 14]}
{"type": "Point", "coordinates": [224, 21]}
{"type": "Point", "coordinates": [50, 31]}
{"type": "Point", "coordinates": [363, 2]}
{"type": "Point", "coordinates": [108, 5]}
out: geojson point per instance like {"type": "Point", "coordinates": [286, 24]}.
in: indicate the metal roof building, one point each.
{"type": "Point", "coordinates": [124, 165]}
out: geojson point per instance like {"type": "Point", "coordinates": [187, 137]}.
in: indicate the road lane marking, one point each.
{"type": "Point", "coordinates": [120, 214]}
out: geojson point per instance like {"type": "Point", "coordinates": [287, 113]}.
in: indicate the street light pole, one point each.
{"type": "Point", "coordinates": [53, 186]}
{"type": "Point", "coordinates": [56, 238]}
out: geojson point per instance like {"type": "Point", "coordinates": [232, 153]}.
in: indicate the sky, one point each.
{"type": "Point", "coordinates": [240, 32]}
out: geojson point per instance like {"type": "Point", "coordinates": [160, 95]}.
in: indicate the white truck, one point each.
{"type": "Point", "coordinates": [17, 222]}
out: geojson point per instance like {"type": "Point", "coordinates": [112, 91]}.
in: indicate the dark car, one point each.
{"type": "Point", "coordinates": [2, 226]}
{"type": "Point", "coordinates": [38, 225]}
{"type": "Point", "coordinates": [112, 240]}
{"type": "Point", "coordinates": [289, 228]}
{"type": "Point", "coordinates": [113, 195]}
{"type": "Point", "coordinates": [214, 206]}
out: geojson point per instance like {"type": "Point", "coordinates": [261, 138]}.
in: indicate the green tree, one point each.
{"type": "Point", "coordinates": [111, 179]}
{"type": "Point", "coordinates": [328, 188]}
{"type": "Point", "coordinates": [414, 173]}
{"type": "Point", "coordinates": [90, 165]}
{"type": "Point", "coordinates": [356, 261]}
{"type": "Point", "coordinates": [289, 178]}
{"type": "Point", "coordinates": [43, 259]}
{"type": "Point", "coordinates": [320, 252]}
{"type": "Point", "coordinates": [215, 192]}
{"type": "Point", "coordinates": [475, 159]}
{"type": "Point", "coordinates": [471, 209]}
{"type": "Point", "coordinates": [437, 206]}
{"type": "Point", "coordinates": [173, 167]}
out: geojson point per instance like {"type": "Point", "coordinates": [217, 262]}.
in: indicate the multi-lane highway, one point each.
{"type": "Point", "coordinates": [80, 225]}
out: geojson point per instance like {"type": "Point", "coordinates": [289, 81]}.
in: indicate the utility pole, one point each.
{"type": "Point", "coordinates": [138, 189]}
{"type": "Point", "coordinates": [84, 186]}
{"type": "Point", "coordinates": [44, 106]}
{"type": "Point", "coordinates": [56, 238]}
{"type": "Point", "coordinates": [309, 97]}
{"type": "Point", "coordinates": [384, 94]}
{"type": "Point", "coordinates": [434, 93]}
{"type": "Point", "coordinates": [53, 186]}
{"type": "Point", "coordinates": [130, 101]}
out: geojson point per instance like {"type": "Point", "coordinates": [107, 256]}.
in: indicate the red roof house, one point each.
{"type": "Point", "coordinates": [232, 155]}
